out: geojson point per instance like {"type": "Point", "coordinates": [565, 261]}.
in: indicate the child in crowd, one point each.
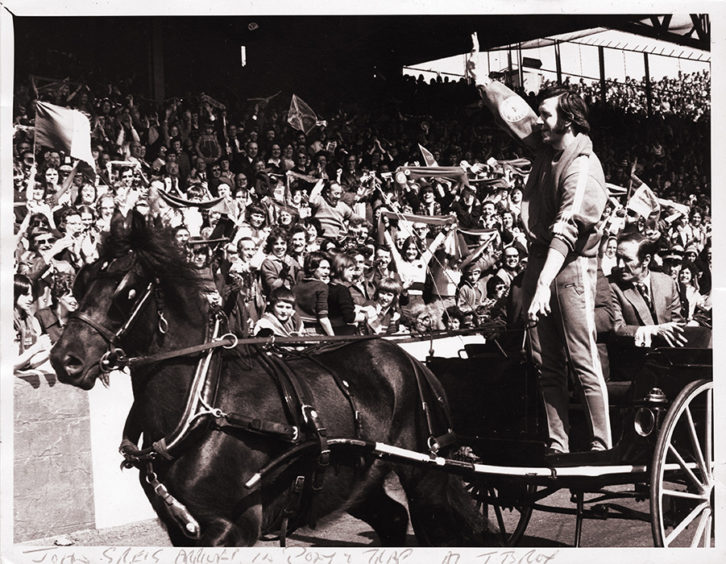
{"type": "Point", "coordinates": [280, 319]}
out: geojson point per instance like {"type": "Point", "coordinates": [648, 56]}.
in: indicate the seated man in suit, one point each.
{"type": "Point", "coordinates": [646, 305]}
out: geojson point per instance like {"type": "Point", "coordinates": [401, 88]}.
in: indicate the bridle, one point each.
{"type": "Point", "coordinates": [115, 357]}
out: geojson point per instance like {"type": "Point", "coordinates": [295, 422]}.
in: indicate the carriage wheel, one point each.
{"type": "Point", "coordinates": [682, 480]}
{"type": "Point", "coordinates": [509, 519]}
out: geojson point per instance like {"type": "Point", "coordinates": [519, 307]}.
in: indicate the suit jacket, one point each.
{"type": "Point", "coordinates": [630, 310]}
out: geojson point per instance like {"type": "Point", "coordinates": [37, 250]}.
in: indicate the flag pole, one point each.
{"type": "Point", "coordinates": [630, 180]}
{"type": "Point", "coordinates": [35, 132]}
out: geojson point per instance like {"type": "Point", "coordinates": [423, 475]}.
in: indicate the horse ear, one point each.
{"type": "Point", "coordinates": [120, 226]}
{"type": "Point", "coordinates": [137, 222]}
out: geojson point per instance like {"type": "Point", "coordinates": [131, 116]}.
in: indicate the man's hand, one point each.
{"type": "Point", "coordinates": [540, 305]}
{"type": "Point", "coordinates": [672, 333]}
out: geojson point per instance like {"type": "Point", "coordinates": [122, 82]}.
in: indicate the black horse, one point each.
{"type": "Point", "coordinates": [204, 440]}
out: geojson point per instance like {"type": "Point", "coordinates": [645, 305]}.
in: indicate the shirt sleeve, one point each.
{"type": "Point", "coordinates": [582, 200]}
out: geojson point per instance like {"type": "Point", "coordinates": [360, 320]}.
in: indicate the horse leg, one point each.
{"type": "Point", "coordinates": [442, 513]}
{"type": "Point", "coordinates": [385, 515]}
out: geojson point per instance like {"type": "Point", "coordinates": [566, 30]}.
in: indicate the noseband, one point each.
{"type": "Point", "coordinates": [115, 357]}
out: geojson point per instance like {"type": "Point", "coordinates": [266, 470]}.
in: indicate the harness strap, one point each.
{"type": "Point", "coordinates": [178, 511]}
{"type": "Point", "coordinates": [105, 333]}
{"type": "Point", "coordinates": [435, 443]}
{"type": "Point", "coordinates": [343, 387]}
{"type": "Point", "coordinates": [309, 413]}
{"type": "Point", "coordinates": [292, 507]}
{"type": "Point", "coordinates": [289, 433]}
{"type": "Point", "coordinates": [290, 397]}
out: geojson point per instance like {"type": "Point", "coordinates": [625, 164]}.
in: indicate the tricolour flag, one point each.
{"type": "Point", "coordinates": [64, 130]}
{"type": "Point", "coordinates": [427, 156]}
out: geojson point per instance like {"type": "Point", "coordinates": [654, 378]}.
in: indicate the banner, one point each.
{"type": "Point", "coordinates": [64, 130]}
{"type": "Point", "coordinates": [432, 172]}
{"type": "Point", "coordinates": [178, 202]}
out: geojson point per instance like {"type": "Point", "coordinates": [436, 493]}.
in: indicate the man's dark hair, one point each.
{"type": "Point", "coordinates": [570, 107]}
{"type": "Point", "coordinates": [645, 245]}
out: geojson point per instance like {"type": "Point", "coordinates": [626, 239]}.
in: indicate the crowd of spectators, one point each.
{"type": "Point", "coordinates": [316, 233]}
{"type": "Point", "coordinates": [688, 95]}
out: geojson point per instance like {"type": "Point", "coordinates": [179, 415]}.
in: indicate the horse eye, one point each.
{"type": "Point", "coordinates": [131, 294]}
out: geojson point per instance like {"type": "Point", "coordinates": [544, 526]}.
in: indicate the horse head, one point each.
{"type": "Point", "coordinates": [119, 310]}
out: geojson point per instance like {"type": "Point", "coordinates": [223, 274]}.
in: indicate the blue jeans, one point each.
{"type": "Point", "coordinates": [567, 336]}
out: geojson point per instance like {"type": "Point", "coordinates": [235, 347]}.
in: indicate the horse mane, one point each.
{"type": "Point", "coordinates": [157, 253]}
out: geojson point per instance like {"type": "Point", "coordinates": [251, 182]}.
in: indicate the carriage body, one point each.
{"type": "Point", "coordinates": [661, 421]}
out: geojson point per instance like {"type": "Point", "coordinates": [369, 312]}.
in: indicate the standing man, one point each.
{"type": "Point", "coordinates": [562, 203]}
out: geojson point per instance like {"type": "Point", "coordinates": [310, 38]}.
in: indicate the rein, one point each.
{"type": "Point", "coordinates": [227, 341]}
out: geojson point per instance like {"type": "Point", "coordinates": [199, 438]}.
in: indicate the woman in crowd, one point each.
{"type": "Point", "coordinates": [452, 318]}
{"type": "Point", "coordinates": [106, 206]}
{"type": "Point", "coordinates": [278, 269]}
{"type": "Point", "coordinates": [344, 315]}
{"type": "Point", "coordinates": [313, 229]}
{"type": "Point", "coordinates": [87, 194]}
{"type": "Point", "coordinates": [62, 304]}
{"type": "Point", "coordinates": [32, 346]}
{"type": "Point", "coordinates": [311, 295]}
{"type": "Point", "coordinates": [412, 265]}
{"type": "Point", "coordinates": [384, 315]}
{"type": "Point", "coordinates": [607, 256]}
{"type": "Point", "coordinates": [688, 291]}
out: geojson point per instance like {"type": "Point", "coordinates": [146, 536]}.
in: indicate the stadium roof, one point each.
{"type": "Point", "coordinates": [301, 52]}
{"type": "Point", "coordinates": [676, 41]}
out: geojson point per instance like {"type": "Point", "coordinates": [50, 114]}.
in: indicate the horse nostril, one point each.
{"type": "Point", "coordinates": [72, 365]}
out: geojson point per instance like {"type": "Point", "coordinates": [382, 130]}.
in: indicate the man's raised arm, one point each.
{"type": "Point", "coordinates": [510, 111]}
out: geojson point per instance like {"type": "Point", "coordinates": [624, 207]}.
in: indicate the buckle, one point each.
{"type": "Point", "coordinates": [308, 409]}
{"type": "Point", "coordinates": [298, 484]}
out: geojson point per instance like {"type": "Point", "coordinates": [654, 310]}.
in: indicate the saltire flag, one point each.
{"type": "Point", "coordinates": [64, 130]}
{"type": "Point", "coordinates": [427, 156]}
{"type": "Point", "coordinates": [432, 172]}
{"type": "Point", "coordinates": [301, 117]}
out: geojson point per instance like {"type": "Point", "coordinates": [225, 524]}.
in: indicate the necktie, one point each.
{"type": "Point", "coordinates": [645, 292]}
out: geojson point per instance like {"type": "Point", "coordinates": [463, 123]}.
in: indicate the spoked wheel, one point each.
{"type": "Point", "coordinates": [508, 514]}
{"type": "Point", "coordinates": [682, 480]}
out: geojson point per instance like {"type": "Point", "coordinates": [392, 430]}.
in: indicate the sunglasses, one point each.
{"type": "Point", "coordinates": [45, 241]}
